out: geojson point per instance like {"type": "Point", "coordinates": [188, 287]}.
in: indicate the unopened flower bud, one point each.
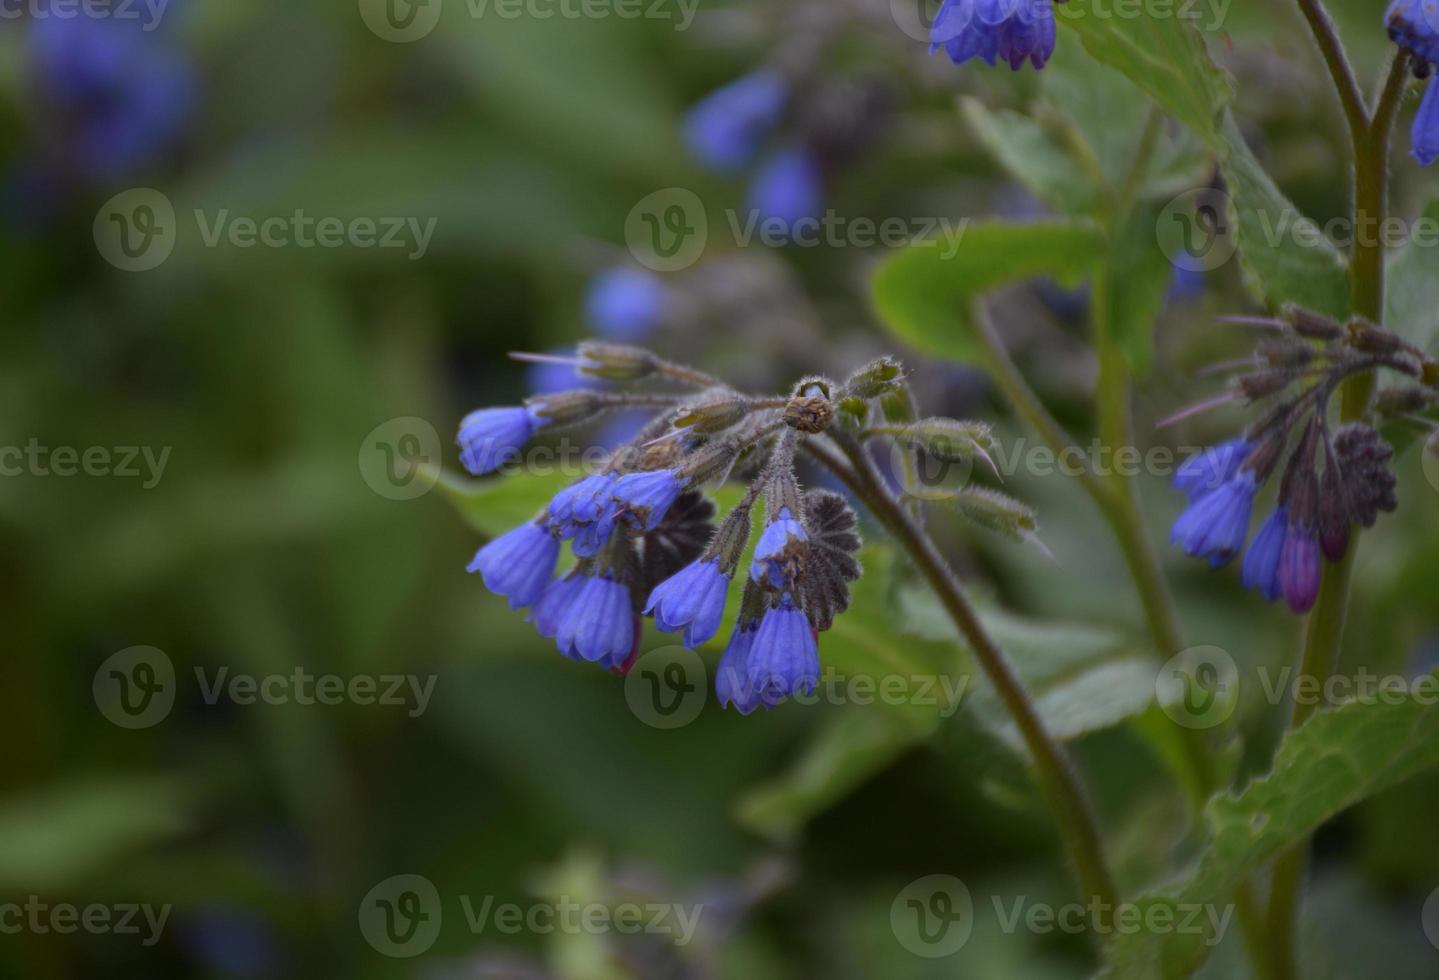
{"type": "Point", "coordinates": [1265, 383]}
{"type": "Point", "coordinates": [1315, 326]}
{"type": "Point", "coordinates": [1285, 352]}
{"type": "Point", "coordinates": [617, 362]}
{"type": "Point", "coordinates": [811, 414]}
{"type": "Point", "coordinates": [949, 440]}
{"type": "Point", "coordinates": [1405, 399]}
{"type": "Point", "coordinates": [567, 407]}
{"type": "Point", "coordinates": [1364, 465]}
{"type": "Point", "coordinates": [712, 414]}
{"type": "Point", "coordinates": [1334, 519]}
{"type": "Point", "coordinates": [1373, 339]}
{"type": "Point", "coordinates": [878, 378]}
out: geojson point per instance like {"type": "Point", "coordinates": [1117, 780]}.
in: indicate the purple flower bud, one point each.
{"type": "Point", "coordinates": [645, 498]}
{"type": "Point", "coordinates": [991, 30]}
{"type": "Point", "coordinates": [1216, 525]}
{"type": "Point", "coordinates": [1299, 568]}
{"type": "Point", "coordinates": [725, 129]}
{"type": "Point", "coordinates": [518, 564]}
{"type": "Point", "coordinates": [1261, 564]}
{"type": "Point", "coordinates": [598, 623]}
{"type": "Point", "coordinates": [490, 436]}
{"type": "Point", "coordinates": [693, 599]}
{"type": "Point", "coordinates": [784, 659]}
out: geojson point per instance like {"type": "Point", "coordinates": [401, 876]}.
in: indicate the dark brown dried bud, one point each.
{"type": "Point", "coordinates": [1373, 339]}
{"type": "Point", "coordinates": [1364, 465]}
{"type": "Point", "coordinates": [1285, 353]}
{"type": "Point", "coordinates": [1315, 326]}
{"type": "Point", "coordinates": [1405, 400]}
{"type": "Point", "coordinates": [809, 413]}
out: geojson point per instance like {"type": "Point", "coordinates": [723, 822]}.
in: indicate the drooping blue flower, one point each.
{"type": "Point", "coordinates": [490, 436]}
{"type": "Point", "coordinates": [1414, 26]}
{"type": "Point", "coordinates": [626, 304]}
{"type": "Point", "coordinates": [584, 514]}
{"type": "Point", "coordinates": [597, 623]}
{"type": "Point", "coordinates": [1209, 470]}
{"type": "Point", "coordinates": [725, 129]}
{"type": "Point", "coordinates": [1299, 568]}
{"type": "Point", "coordinates": [645, 498]}
{"type": "Point", "coordinates": [781, 549]}
{"type": "Point", "coordinates": [1425, 135]}
{"type": "Point", "coordinates": [1014, 31]}
{"type": "Point", "coordinates": [788, 188]}
{"type": "Point", "coordinates": [1261, 563]}
{"type": "Point", "coordinates": [120, 94]}
{"type": "Point", "coordinates": [732, 685]}
{"type": "Point", "coordinates": [784, 658]}
{"type": "Point", "coordinates": [518, 564]}
{"type": "Point", "coordinates": [554, 602]}
{"type": "Point", "coordinates": [1216, 524]}
{"type": "Point", "coordinates": [693, 599]}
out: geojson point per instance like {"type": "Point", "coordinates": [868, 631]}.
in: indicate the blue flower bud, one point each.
{"type": "Point", "coordinates": [693, 599]}
{"type": "Point", "coordinates": [518, 564]}
{"type": "Point", "coordinates": [732, 685]}
{"type": "Point", "coordinates": [1014, 31]}
{"type": "Point", "coordinates": [598, 623]}
{"type": "Point", "coordinates": [725, 129]}
{"type": "Point", "coordinates": [645, 498]}
{"type": "Point", "coordinates": [489, 436]}
{"type": "Point", "coordinates": [1261, 564]}
{"type": "Point", "coordinates": [780, 553]}
{"type": "Point", "coordinates": [1216, 524]}
{"type": "Point", "coordinates": [1299, 568]}
{"type": "Point", "coordinates": [788, 188]}
{"type": "Point", "coordinates": [784, 658]}
{"type": "Point", "coordinates": [626, 304]}
{"type": "Point", "coordinates": [1212, 468]}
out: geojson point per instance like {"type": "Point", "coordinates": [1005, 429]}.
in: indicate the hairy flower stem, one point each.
{"type": "Point", "coordinates": [1056, 774]}
{"type": "Point", "coordinates": [1324, 631]}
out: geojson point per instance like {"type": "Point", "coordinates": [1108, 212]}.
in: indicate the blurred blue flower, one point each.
{"type": "Point", "coordinates": [626, 304]}
{"type": "Point", "coordinates": [490, 436]}
{"type": "Point", "coordinates": [1209, 470]}
{"type": "Point", "coordinates": [1414, 26]}
{"type": "Point", "coordinates": [1425, 135]}
{"type": "Point", "coordinates": [788, 187]}
{"type": "Point", "coordinates": [992, 30]}
{"type": "Point", "coordinates": [725, 130]}
{"type": "Point", "coordinates": [1186, 285]}
{"type": "Point", "coordinates": [119, 93]}
{"type": "Point", "coordinates": [1261, 564]}
{"type": "Point", "coordinates": [1299, 568]}
{"type": "Point", "coordinates": [1216, 524]}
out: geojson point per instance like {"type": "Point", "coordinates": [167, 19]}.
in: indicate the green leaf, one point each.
{"type": "Point", "coordinates": [1286, 256]}
{"type": "Point", "coordinates": [924, 297]}
{"type": "Point", "coordinates": [1412, 295]}
{"type": "Point", "coordinates": [1165, 56]}
{"type": "Point", "coordinates": [1337, 759]}
{"type": "Point", "coordinates": [61, 835]}
{"type": "Point", "coordinates": [1031, 155]}
{"type": "Point", "coordinates": [495, 504]}
{"type": "Point", "coordinates": [1141, 275]}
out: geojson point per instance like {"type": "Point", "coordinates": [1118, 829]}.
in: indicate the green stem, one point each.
{"type": "Point", "coordinates": [1057, 776]}
{"type": "Point", "coordinates": [1324, 631]}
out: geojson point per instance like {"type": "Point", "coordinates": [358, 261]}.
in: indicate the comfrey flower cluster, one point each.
{"type": "Point", "coordinates": [1414, 26]}
{"type": "Point", "coordinates": [1294, 374]}
{"type": "Point", "coordinates": [643, 536]}
{"type": "Point", "coordinates": [1014, 31]}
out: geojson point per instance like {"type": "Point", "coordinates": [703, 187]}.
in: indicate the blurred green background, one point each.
{"type": "Point", "coordinates": [264, 544]}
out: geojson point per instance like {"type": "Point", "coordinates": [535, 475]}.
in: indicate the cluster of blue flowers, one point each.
{"type": "Point", "coordinates": [727, 130]}
{"type": "Point", "coordinates": [643, 543]}
{"type": "Point", "coordinates": [1315, 510]}
{"type": "Point", "coordinates": [1414, 26]}
{"type": "Point", "coordinates": [1014, 31]}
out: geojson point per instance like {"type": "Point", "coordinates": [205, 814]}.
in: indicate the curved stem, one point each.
{"type": "Point", "coordinates": [1056, 774]}
{"type": "Point", "coordinates": [1351, 96]}
{"type": "Point", "coordinates": [1324, 631]}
